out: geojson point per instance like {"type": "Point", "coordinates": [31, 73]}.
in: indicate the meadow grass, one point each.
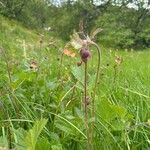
{"type": "Point", "coordinates": [54, 90]}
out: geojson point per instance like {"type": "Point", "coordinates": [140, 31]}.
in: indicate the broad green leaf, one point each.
{"type": "Point", "coordinates": [42, 144]}
{"type": "Point", "coordinates": [78, 74]}
{"type": "Point", "coordinates": [20, 135]}
{"type": "Point", "coordinates": [33, 134]}
{"type": "Point", "coordinates": [116, 116]}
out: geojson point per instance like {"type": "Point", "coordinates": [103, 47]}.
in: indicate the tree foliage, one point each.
{"type": "Point", "coordinates": [125, 23]}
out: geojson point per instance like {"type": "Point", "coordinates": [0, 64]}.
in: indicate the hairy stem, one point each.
{"type": "Point", "coordinates": [95, 86]}
{"type": "Point", "coordinates": [97, 77]}
{"type": "Point", "coordinates": [86, 107]}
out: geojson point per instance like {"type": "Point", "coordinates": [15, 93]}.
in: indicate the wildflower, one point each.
{"type": "Point", "coordinates": [69, 53]}
{"type": "Point", "coordinates": [47, 28]}
{"type": "Point", "coordinates": [34, 65]}
{"type": "Point", "coordinates": [79, 63]}
{"type": "Point", "coordinates": [118, 60]}
{"type": "Point", "coordinates": [85, 54]}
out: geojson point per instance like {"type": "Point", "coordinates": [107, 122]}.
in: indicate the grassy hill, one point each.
{"type": "Point", "coordinates": [13, 33]}
{"type": "Point", "coordinates": [37, 81]}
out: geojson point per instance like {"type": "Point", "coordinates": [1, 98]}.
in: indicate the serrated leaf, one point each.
{"type": "Point", "coordinates": [63, 128]}
{"type": "Point", "coordinates": [20, 135]}
{"type": "Point", "coordinates": [43, 144]}
{"type": "Point", "coordinates": [33, 134]}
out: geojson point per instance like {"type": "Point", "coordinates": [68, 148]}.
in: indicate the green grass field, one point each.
{"type": "Point", "coordinates": [41, 92]}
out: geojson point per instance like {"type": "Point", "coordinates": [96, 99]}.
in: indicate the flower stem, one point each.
{"type": "Point", "coordinates": [86, 107]}
{"type": "Point", "coordinates": [95, 87]}
{"type": "Point", "coordinates": [97, 77]}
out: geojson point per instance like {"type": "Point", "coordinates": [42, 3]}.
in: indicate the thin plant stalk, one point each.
{"type": "Point", "coordinates": [95, 87]}
{"type": "Point", "coordinates": [57, 109]}
{"type": "Point", "coordinates": [9, 136]}
{"type": "Point", "coordinates": [7, 67]}
{"type": "Point", "coordinates": [24, 50]}
{"type": "Point", "coordinates": [7, 125]}
{"type": "Point", "coordinates": [10, 81]}
{"type": "Point", "coordinates": [6, 113]}
{"type": "Point", "coordinates": [96, 79]}
{"type": "Point", "coordinates": [86, 107]}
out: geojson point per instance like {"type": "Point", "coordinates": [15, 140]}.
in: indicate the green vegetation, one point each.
{"type": "Point", "coordinates": [49, 99]}
{"type": "Point", "coordinates": [123, 27]}
{"type": "Point", "coordinates": [49, 91]}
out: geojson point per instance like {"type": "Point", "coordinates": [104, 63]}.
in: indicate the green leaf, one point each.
{"type": "Point", "coordinates": [63, 128]}
{"type": "Point", "coordinates": [20, 135]}
{"type": "Point", "coordinates": [57, 147]}
{"type": "Point", "coordinates": [42, 144]}
{"type": "Point", "coordinates": [78, 74]}
{"type": "Point", "coordinates": [3, 141]}
{"type": "Point", "coordinates": [116, 116]}
{"type": "Point", "coordinates": [33, 134]}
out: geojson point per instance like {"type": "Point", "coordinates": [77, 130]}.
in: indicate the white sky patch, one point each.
{"type": "Point", "coordinates": [145, 4]}
{"type": "Point", "coordinates": [100, 2]}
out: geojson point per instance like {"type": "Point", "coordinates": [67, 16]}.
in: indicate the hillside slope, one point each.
{"type": "Point", "coordinates": [13, 35]}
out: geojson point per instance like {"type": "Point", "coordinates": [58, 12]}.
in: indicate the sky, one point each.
{"type": "Point", "coordinates": [98, 2]}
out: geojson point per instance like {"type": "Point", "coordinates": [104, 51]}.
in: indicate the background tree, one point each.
{"type": "Point", "coordinates": [125, 23]}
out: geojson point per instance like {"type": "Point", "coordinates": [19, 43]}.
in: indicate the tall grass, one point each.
{"type": "Point", "coordinates": [122, 107]}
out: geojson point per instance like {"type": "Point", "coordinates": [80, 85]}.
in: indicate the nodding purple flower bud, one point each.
{"type": "Point", "coordinates": [79, 63]}
{"type": "Point", "coordinates": [85, 54]}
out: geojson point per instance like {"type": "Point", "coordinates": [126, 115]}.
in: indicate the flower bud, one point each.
{"type": "Point", "coordinates": [85, 54]}
{"type": "Point", "coordinates": [79, 63]}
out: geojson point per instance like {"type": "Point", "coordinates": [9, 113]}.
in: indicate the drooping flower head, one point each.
{"type": "Point", "coordinates": [84, 54]}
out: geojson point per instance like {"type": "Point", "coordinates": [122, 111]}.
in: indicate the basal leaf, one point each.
{"type": "Point", "coordinates": [33, 134]}
{"type": "Point", "coordinates": [42, 144]}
